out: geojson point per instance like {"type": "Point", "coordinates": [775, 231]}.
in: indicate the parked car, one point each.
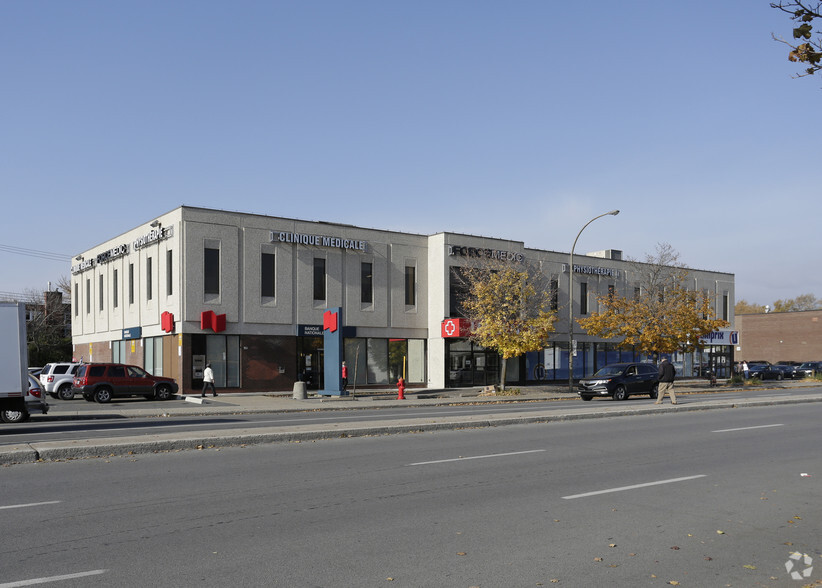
{"type": "Point", "coordinates": [765, 372]}
{"type": "Point", "coordinates": [103, 381]}
{"type": "Point", "coordinates": [35, 403]}
{"type": "Point", "coordinates": [58, 378]}
{"type": "Point", "coordinates": [811, 368]}
{"type": "Point", "coordinates": [791, 372]}
{"type": "Point", "coordinates": [621, 380]}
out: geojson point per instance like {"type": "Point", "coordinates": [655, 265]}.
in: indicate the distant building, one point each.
{"type": "Point", "coordinates": [780, 336]}
{"type": "Point", "coordinates": [247, 293]}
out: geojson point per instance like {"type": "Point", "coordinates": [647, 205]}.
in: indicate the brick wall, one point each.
{"type": "Point", "coordinates": [779, 336]}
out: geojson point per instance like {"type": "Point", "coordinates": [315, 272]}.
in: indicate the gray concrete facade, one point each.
{"type": "Point", "coordinates": [123, 287]}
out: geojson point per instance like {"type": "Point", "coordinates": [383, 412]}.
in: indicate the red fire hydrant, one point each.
{"type": "Point", "coordinates": [401, 389]}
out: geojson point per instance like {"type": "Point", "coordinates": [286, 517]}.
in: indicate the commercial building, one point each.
{"type": "Point", "coordinates": [248, 292]}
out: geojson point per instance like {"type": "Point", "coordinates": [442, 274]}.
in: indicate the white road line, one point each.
{"type": "Point", "coordinates": [671, 481]}
{"type": "Point", "coordinates": [747, 428]}
{"type": "Point", "coordinates": [28, 505]}
{"type": "Point", "coordinates": [34, 581]}
{"type": "Point", "coordinates": [473, 457]}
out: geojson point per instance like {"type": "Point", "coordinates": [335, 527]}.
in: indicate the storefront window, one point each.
{"type": "Point", "coordinates": [377, 361]}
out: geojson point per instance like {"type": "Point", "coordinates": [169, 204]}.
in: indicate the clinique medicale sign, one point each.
{"type": "Point", "coordinates": [317, 240]}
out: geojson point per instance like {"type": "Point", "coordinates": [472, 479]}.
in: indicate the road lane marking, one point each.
{"type": "Point", "coordinates": [28, 505]}
{"type": "Point", "coordinates": [633, 487]}
{"type": "Point", "coordinates": [34, 581]}
{"type": "Point", "coordinates": [747, 428]}
{"type": "Point", "coordinates": [475, 457]}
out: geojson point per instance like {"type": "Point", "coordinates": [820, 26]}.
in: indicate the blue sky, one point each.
{"type": "Point", "coordinates": [520, 120]}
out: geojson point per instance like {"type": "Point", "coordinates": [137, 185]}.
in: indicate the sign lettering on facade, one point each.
{"type": "Point", "coordinates": [459, 250]}
{"type": "Point", "coordinates": [595, 270]}
{"type": "Point", "coordinates": [720, 338]}
{"type": "Point", "coordinates": [318, 240]}
{"type": "Point", "coordinates": [153, 236]}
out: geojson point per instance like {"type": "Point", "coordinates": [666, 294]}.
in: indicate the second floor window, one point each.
{"type": "Point", "coordinates": [410, 285]}
{"type": "Point", "coordinates": [267, 273]}
{"type": "Point", "coordinates": [583, 298]}
{"type": "Point", "coordinates": [319, 278]}
{"type": "Point", "coordinates": [148, 279]}
{"type": "Point", "coordinates": [366, 283]}
{"type": "Point", "coordinates": [211, 270]}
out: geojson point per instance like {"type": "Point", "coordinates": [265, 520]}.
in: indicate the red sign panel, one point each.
{"type": "Point", "coordinates": [210, 320]}
{"type": "Point", "coordinates": [330, 321]}
{"type": "Point", "coordinates": [456, 327]}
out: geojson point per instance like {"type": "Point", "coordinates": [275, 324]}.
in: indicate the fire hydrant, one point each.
{"type": "Point", "coordinates": [401, 389]}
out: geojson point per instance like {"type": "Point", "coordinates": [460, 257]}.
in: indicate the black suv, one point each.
{"type": "Point", "coordinates": [103, 381]}
{"type": "Point", "coordinates": [621, 380]}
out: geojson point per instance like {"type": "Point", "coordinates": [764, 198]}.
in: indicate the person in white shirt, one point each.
{"type": "Point", "coordinates": [208, 381]}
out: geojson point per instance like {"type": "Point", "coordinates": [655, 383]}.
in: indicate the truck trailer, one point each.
{"type": "Point", "coordinates": [14, 357]}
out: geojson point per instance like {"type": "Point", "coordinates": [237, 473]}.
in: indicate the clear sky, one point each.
{"type": "Point", "coordinates": [517, 119]}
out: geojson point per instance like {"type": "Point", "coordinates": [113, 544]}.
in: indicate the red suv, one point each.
{"type": "Point", "coordinates": [103, 381]}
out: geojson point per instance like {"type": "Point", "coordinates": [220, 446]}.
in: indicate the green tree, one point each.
{"type": "Point", "coordinates": [509, 306]}
{"type": "Point", "coordinates": [663, 316]}
{"type": "Point", "coordinates": [804, 48]}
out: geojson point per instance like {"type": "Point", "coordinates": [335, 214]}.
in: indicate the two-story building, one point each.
{"type": "Point", "coordinates": [247, 293]}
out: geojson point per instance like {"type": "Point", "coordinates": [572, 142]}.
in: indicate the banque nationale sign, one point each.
{"type": "Point", "coordinates": [317, 240]}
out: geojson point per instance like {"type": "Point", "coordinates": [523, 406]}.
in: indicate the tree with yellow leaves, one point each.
{"type": "Point", "coordinates": [663, 316]}
{"type": "Point", "coordinates": [509, 306]}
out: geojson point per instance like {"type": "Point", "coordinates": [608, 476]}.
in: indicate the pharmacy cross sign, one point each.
{"type": "Point", "coordinates": [455, 327]}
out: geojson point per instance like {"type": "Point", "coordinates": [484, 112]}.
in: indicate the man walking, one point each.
{"type": "Point", "coordinates": [667, 374]}
{"type": "Point", "coordinates": [208, 381]}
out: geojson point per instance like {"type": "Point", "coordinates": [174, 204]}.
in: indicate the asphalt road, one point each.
{"type": "Point", "coordinates": [702, 498]}
{"type": "Point", "coordinates": [57, 429]}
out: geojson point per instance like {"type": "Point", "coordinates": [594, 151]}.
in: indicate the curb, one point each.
{"type": "Point", "coordinates": [60, 451]}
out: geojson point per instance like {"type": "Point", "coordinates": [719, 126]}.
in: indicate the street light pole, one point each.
{"type": "Point", "coordinates": [571, 302]}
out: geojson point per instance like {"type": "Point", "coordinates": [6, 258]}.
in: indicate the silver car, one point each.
{"type": "Point", "coordinates": [35, 403]}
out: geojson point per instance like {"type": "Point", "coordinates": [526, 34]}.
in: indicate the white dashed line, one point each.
{"type": "Point", "coordinates": [475, 457]}
{"type": "Point", "coordinates": [633, 487]}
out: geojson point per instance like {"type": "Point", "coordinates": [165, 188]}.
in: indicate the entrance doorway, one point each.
{"type": "Point", "coordinates": [311, 361]}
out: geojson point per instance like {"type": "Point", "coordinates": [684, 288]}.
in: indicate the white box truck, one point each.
{"type": "Point", "coordinates": [14, 357]}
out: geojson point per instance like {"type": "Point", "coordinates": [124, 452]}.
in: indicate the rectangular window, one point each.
{"type": "Point", "coordinates": [211, 271]}
{"type": "Point", "coordinates": [267, 275]}
{"type": "Point", "coordinates": [169, 274]}
{"type": "Point", "coordinates": [637, 293]}
{"type": "Point", "coordinates": [366, 283]}
{"type": "Point", "coordinates": [457, 291]}
{"type": "Point", "coordinates": [319, 278]}
{"type": "Point", "coordinates": [131, 283]}
{"type": "Point", "coordinates": [410, 285]}
{"type": "Point", "coordinates": [583, 298]}
{"type": "Point", "coordinates": [88, 296]}
{"type": "Point", "coordinates": [554, 294]}
{"type": "Point", "coordinates": [725, 306]}
{"type": "Point", "coordinates": [76, 299]}
{"type": "Point", "coordinates": [115, 302]}
{"type": "Point", "coordinates": [148, 279]}
{"type": "Point", "coordinates": [611, 292]}
{"type": "Point", "coordinates": [100, 294]}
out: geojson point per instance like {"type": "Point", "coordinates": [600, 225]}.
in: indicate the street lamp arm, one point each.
{"type": "Point", "coordinates": [612, 213]}
{"type": "Point", "coordinates": [571, 301]}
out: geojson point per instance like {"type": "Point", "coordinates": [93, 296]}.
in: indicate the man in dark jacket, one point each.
{"type": "Point", "coordinates": [667, 374]}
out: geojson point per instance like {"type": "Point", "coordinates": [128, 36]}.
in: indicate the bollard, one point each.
{"type": "Point", "coordinates": [299, 391]}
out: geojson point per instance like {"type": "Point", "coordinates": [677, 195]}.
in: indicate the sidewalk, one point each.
{"type": "Point", "coordinates": [692, 397]}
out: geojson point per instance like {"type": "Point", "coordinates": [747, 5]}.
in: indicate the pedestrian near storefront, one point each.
{"type": "Point", "coordinates": [667, 375]}
{"type": "Point", "coordinates": [745, 369]}
{"type": "Point", "coordinates": [344, 376]}
{"type": "Point", "coordinates": [208, 381]}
